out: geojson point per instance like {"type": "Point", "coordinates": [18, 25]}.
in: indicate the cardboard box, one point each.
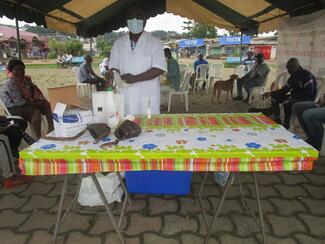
{"type": "Point", "coordinates": [67, 95]}
{"type": "Point", "coordinates": [70, 122]}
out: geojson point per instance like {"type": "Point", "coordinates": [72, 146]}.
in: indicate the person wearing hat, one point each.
{"type": "Point", "coordinates": [139, 58]}
{"type": "Point", "coordinates": [255, 77]}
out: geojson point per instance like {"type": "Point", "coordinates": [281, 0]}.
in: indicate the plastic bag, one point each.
{"type": "Point", "coordinates": [110, 184]}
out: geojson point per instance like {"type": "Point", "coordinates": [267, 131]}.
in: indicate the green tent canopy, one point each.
{"type": "Point", "coordinates": [91, 18]}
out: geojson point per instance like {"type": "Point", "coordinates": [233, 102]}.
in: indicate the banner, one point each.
{"type": "Point", "coordinates": [191, 43]}
{"type": "Point", "coordinates": [303, 38]}
{"type": "Point", "coordinates": [266, 50]}
{"type": "Point", "coordinates": [234, 40]}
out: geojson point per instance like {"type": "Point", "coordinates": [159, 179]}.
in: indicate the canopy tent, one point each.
{"type": "Point", "coordinates": [90, 18]}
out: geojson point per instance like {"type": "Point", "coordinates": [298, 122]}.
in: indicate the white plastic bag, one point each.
{"type": "Point", "coordinates": [110, 184]}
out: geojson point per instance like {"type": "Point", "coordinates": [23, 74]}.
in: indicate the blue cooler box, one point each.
{"type": "Point", "coordinates": [159, 182]}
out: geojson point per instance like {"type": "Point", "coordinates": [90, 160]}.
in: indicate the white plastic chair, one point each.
{"type": "Point", "coordinates": [183, 91]}
{"type": "Point", "coordinates": [7, 161]}
{"type": "Point", "coordinates": [240, 70]}
{"type": "Point", "coordinates": [83, 89]}
{"type": "Point", "coordinates": [182, 76]}
{"type": "Point", "coordinates": [201, 76]}
{"type": "Point", "coordinates": [29, 128]}
{"type": "Point", "coordinates": [259, 90]}
{"type": "Point", "coordinates": [215, 72]}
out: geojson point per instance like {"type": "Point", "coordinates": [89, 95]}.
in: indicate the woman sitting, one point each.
{"type": "Point", "coordinates": [23, 98]}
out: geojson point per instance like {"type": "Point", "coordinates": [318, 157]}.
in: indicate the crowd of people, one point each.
{"type": "Point", "coordinates": [64, 60]}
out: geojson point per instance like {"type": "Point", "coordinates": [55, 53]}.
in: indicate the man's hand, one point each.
{"type": "Point", "coordinates": [129, 78]}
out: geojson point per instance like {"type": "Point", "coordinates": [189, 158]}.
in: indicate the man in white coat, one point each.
{"type": "Point", "coordinates": [139, 58]}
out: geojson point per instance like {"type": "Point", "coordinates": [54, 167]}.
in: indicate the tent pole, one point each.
{"type": "Point", "coordinates": [18, 38]}
{"type": "Point", "coordinates": [241, 46]}
{"type": "Point", "coordinates": [91, 46]}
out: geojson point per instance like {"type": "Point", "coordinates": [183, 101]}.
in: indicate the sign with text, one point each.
{"type": "Point", "coordinates": [191, 43]}
{"type": "Point", "coordinates": [234, 40]}
{"type": "Point", "coordinates": [303, 38]}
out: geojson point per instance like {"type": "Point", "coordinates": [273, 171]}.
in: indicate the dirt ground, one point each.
{"type": "Point", "coordinates": [56, 77]}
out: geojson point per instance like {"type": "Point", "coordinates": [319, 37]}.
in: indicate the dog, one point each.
{"type": "Point", "coordinates": [225, 85]}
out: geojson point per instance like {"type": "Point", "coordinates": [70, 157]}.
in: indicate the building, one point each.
{"type": "Point", "coordinates": [32, 45]}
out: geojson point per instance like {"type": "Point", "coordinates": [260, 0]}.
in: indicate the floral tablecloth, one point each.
{"type": "Point", "coordinates": [183, 142]}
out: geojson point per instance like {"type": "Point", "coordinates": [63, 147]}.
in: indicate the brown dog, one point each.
{"type": "Point", "coordinates": [225, 85]}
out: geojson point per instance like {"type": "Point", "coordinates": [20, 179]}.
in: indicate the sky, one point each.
{"type": "Point", "coordinates": [166, 22]}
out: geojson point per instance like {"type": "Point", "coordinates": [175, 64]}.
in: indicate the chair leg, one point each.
{"type": "Point", "coordinates": [250, 96]}
{"type": "Point", "coordinates": [169, 101]}
{"type": "Point", "coordinates": [186, 102]}
{"type": "Point", "coordinates": [207, 86]}
{"type": "Point", "coordinates": [322, 150]}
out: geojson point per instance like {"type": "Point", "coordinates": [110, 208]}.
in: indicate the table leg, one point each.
{"type": "Point", "coordinates": [260, 211]}
{"type": "Point", "coordinates": [218, 209]}
{"type": "Point", "coordinates": [58, 220]}
{"type": "Point", "coordinates": [74, 201]}
{"type": "Point", "coordinates": [201, 188]}
{"type": "Point", "coordinates": [108, 210]}
{"type": "Point", "coordinates": [199, 199]}
{"type": "Point", "coordinates": [124, 188]}
{"type": "Point", "coordinates": [244, 201]}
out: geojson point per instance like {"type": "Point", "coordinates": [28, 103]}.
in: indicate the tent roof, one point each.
{"type": "Point", "coordinates": [91, 18]}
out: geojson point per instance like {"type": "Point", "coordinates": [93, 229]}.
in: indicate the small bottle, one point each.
{"type": "Point", "coordinates": [110, 109]}
{"type": "Point", "coordinates": [149, 110]}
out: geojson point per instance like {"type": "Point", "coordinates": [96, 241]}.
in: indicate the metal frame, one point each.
{"type": "Point", "coordinates": [61, 218]}
{"type": "Point", "coordinates": [259, 222]}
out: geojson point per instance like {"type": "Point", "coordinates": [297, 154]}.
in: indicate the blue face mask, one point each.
{"type": "Point", "coordinates": [135, 26]}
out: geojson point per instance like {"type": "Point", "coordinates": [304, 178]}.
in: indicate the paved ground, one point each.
{"type": "Point", "coordinates": [294, 208]}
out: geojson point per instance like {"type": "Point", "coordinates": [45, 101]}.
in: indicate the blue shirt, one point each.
{"type": "Point", "coordinates": [198, 62]}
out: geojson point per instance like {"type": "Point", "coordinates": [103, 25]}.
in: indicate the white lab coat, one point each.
{"type": "Point", "coordinates": [147, 54]}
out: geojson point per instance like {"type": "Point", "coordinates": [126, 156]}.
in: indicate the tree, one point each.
{"type": "Point", "coordinates": [196, 30]}
{"type": "Point", "coordinates": [38, 29]}
{"type": "Point", "coordinates": [103, 46]}
{"type": "Point", "coordinates": [73, 46]}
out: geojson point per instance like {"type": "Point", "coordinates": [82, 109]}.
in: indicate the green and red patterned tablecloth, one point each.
{"type": "Point", "coordinates": [183, 142]}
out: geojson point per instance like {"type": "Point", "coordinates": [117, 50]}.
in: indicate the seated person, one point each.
{"type": "Point", "coordinates": [23, 98]}
{"type": "Point", "coordinates": [311, 117]}
{"type": "Point", "coordinates": [249, 62]}
{"type": "Point", "coordinates": [198, 62]}
{"type": "Point", "coordinates": [301, 85]}
{"type": "Point", "coordinates": [59, 60]}
{"type": "Point", "coordinates": [14, 129]}
{"type": "Point", "coordinates": [104, 66]}
{"type": "Point", "coordinates": [255, 77]}
{"type": "Point", "coordinates": [87, 75]}
{"type": "Point", "coordinates": [68, 59]}
{"type": "Point", "coordinates": [173, 77]}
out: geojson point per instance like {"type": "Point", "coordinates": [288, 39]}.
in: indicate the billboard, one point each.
{"type": "Point", "coordinates": [191, 43]}
{"type": "Point", "coordinates": [234, 40]}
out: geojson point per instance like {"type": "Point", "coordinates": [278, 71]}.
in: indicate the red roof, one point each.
{"type": "Point", "coordinates": [7, 32]}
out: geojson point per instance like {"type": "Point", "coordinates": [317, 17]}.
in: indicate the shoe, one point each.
{"type": "Point", "coordinates": [238, 98]}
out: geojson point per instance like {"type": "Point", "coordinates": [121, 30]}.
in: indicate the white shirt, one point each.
{"type": "Point", "coordinates": [147, 54]}
{"type": "Point", "coordinates": [69, 57]}
{"type": "Point", "coordinates": [102, 66]}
